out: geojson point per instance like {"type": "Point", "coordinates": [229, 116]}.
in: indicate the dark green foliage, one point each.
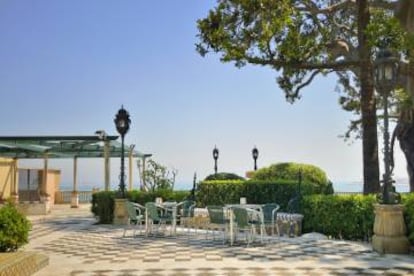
{"type": "Point", "coordinates": [290, 171]}
{"type": "Point", "coordinates": [223, 176]}
{"type": "Point", "coordinates": [166, 195]}
{"type": "Point", "coordinates": [348, 217]}
{"type": "Point", "coordinates": [227, 192]}
{"type": "Point", "coordinates": [14, 228]}
{"type": "Point", "coordinates": [103, 206]}
{"type": "Point", "coordinates": [408, 202]}
{"type": "Point", "coordinates": [103, 202]}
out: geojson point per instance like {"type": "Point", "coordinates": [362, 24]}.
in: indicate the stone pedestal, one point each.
{"type": "Point", "coordinates": [14, 198]}
{"type": "Point", "coordinates": [389, 230]}
{"type": "Point", "coordinates": [120, 212]}
{"type": "Point", "coordinates": [74, 200]}
{"type": "Point", "coordinates": [45, 199]}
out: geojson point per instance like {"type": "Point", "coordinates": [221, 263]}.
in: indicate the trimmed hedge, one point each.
{"type": "Point", "coordinates": [167, 195]}
{"type": "Point", "coordinates": [260, 192]}
{"type": "Point", "coordinates": [408, 202]}
{"type": "Point", "coordinates": [103, 202]}
{"type": "Point", "coordinates": [103, 206]}
{"type": "Point", "coordinates": [223, 176]}
{"type": "Point", "coordinates": [290, 171]}
{"type": "Point", "coordinates": [348, 217]}
{"type": "Point", "coordinates": [14, 228]}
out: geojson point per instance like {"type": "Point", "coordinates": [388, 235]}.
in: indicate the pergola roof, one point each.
{"type": "Point", "coordinates": [30, 147]}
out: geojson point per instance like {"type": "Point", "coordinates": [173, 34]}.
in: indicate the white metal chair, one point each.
{"type": "Point", "coordinates": [135, 216]}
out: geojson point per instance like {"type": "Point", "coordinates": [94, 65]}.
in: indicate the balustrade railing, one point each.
{"type": "Point", "coordinates": [62, 197]}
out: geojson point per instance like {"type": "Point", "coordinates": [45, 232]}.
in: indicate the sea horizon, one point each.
{"type": "Point", "coordinates": [340, 186]}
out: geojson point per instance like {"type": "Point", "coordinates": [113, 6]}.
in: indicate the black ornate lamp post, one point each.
{"type": "Point", "coordinates": [389, 226]}
{"type": "Point", "coordinates": [122, 122]}
{"type": "Point", "coordinates": [215, 156]}
{"type": "Point", "coordinates": [255, 153]}
{"type": "Point", "coordinates": [386, 73]}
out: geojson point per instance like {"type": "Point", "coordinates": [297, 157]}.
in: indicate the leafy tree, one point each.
{"type": "Point", "coordinates": [304, 39]}
{"type": "Point", "coordinates": [158, 177]}
{"type": "Point", "coordinates": [404, 12]}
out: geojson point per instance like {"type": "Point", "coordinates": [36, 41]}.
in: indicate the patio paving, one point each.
{"type": "Point", "coordinates": [77, 246]}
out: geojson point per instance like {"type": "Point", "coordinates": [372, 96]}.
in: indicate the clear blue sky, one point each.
{"type": "Point", "coordinates": [67, 66]}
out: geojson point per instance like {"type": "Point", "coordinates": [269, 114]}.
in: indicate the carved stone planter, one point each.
{"type": "Point", "coordinates": [389, 230]}
{"type": "Point", "coordinates": [120, 212]}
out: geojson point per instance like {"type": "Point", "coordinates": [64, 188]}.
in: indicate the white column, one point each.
{"type": "Point", "coordinates": [44, 196]}
{"type": "Point", "coordinates": [74, 202]}
{"type": "Point", "coordinates": [131, 156]}
{"type": "Point", "coordinates": [107, 164]}
{"type": "Point", "coordinates": [43, 190]}
{"type": "Point", "coordinates": [143, 174]}
{"type": "Point", "coordinates": [14, 188]}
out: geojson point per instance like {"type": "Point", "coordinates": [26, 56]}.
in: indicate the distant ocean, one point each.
{"type": "Point", "coordinates": [358, 186]}
{"type": "Point", "coordinates": [338, 187]}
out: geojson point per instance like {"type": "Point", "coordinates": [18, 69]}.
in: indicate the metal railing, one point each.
{"type": "Point", "coordinates": [29, 195]}
{"type": "Point", "coordinates": [62, 197]}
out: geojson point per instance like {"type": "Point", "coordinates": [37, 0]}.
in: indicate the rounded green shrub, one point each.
{"type": "Point", "coordinates": [290, 171]}
{"type": "Point", "coordinates": [223, 176]}
{"type": "Point", "coordinates": [14, 228]}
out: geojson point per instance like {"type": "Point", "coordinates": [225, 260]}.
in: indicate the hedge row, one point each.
{"type": "Point", "coordinates": [349, 217]}
{"type": "Point", "coordinates": [408, 201]}
{"type": "Point", "coordinates": [259, 192]}
{"type": "Point", "coordinates": [103, 202]}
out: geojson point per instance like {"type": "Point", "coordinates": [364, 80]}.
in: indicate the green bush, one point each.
{"type": "Point", "coordinates": [103, 206]}
{"type": "Point", "coordinates": [223, 176]}
{"type": "Point", "coordinates": [103, 202]}
{"type": "Point", "coordinates": [408, 202]}
{"type": "Point", "coordinates": [348, 217]}
{"type": "Point", "coordinates": [290, 171]}
{"type": "Point", "coordinates": [167, 195]}
{"type": "Point", "coordinates": [230, 191]}
{"type": "Point", "coordinates": [14, 228]}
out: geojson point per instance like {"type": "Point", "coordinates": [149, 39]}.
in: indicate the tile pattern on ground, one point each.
{"type": "Point", "coordinates": [99, 244]}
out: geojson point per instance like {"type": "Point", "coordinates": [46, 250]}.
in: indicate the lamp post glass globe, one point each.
{"type": "Point", "coordinates": [386, 75]}
{"type": "Point", "coordinates": [255, 153]}
{"type": "Point", "coordinates": [215, 156]}
{"type": "Point", "coordinates": [122, 122]}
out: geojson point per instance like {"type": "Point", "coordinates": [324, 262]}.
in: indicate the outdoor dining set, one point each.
{"type": "Point", "coordinates": [228, 221]}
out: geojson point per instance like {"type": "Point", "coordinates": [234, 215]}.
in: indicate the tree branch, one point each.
{"type": "Point", "coordinates": [384, 4]}
{"type": "Point", "coordinates": [312, 8]}
{"type": "Point", "coordinates": [304, 65]}
{"type": "Point", "coordinates": [306, 83]}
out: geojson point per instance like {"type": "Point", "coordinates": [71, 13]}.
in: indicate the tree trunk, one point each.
{"type": "Point", "coordinates": [405, 134]}
{"type": "Point", "coordinates": [405, 127]}
{"type": "Point", "coordinates": [368, 106]}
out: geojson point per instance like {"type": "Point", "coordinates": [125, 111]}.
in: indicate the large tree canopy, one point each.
{"type": "Point", "coordinates": [305, 38]}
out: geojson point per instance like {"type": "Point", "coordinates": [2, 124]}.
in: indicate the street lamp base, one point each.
{"type": "Point", "coordinates": [120, 211]}
{"type": "Point", "coordinates": [389, 230]}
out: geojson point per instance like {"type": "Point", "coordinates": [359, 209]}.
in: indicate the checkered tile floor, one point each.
{"type": "Point", "coordinates": [87, 249]}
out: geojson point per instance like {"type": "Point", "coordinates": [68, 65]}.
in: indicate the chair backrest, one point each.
{"type": "Point", "coordinates": [187, 208]}
{"type": "Point", "coordinates": [269, 211]}
{"type": "Point", "coordinates": [132, 212]}
{"type": "Point", "coordinates": [241, 217]}
{"type": "Point", "coordinates": [216, 214]}
{"type": "Point", "coordinates": [152, 210]}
